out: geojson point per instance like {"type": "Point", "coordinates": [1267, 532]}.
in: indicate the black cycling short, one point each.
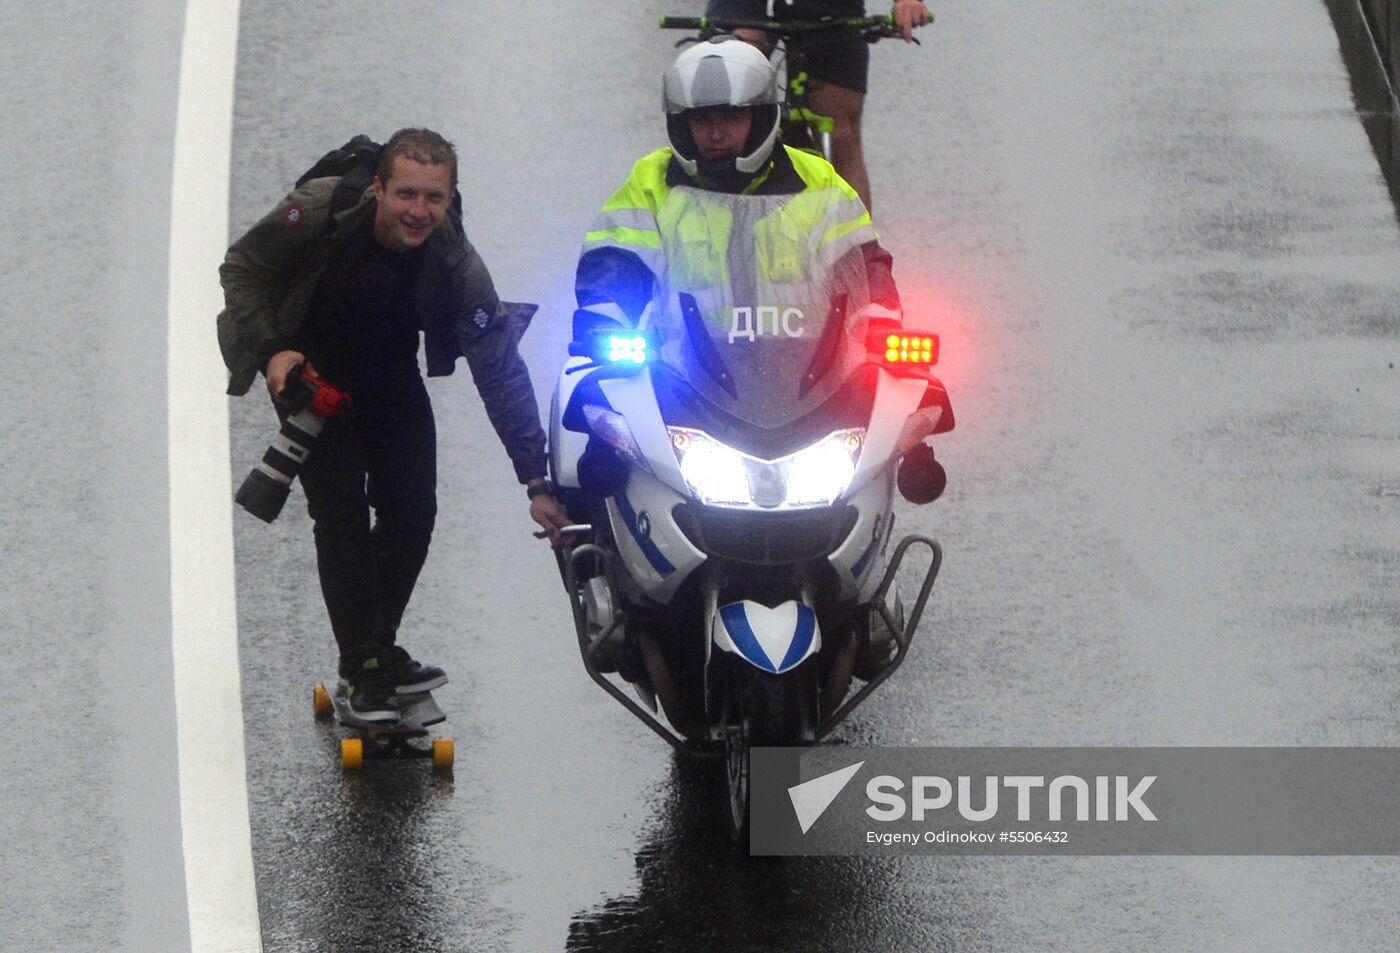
{"type": "Point", "coordinates": [842, 59]}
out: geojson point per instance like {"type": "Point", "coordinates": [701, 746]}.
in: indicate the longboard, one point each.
{"type": "Point", "coordinates": [385, 740]}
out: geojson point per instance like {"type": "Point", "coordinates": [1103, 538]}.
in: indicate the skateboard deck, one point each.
{"type": "Point", "coordinates": [376, 740]}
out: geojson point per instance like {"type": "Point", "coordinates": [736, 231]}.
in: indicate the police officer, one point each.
{"type": "Point", "coordinates": [722, 119]}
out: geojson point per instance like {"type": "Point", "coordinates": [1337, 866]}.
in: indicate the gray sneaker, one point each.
{"type": "Point", "coordinates": [410, 676]}
{"type": "Point", "coordinates": [370, 694]}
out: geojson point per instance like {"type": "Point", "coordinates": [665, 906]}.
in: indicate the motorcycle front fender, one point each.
{"type": "Point", "coordinates": [774, 640]}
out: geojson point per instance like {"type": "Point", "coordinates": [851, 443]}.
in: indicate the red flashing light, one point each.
{"type": "Point", "coordinates": [904, 350]}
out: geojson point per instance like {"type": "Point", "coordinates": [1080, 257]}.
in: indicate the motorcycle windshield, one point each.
{"type": "Point", "coordinates": [759, 292]}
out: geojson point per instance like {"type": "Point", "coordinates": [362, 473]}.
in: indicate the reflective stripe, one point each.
{"type": "Point", "coordinates": [845, 212]}
{"type": "Point", "coordinates": [863, 225]}
{"type": "Point", "coordinates": [627, 220]}
{"type": "Point", "coordinates": [642, 238]}
{"type": "Point", "coordinates": [832, 250]}
{"type": "Point", "coordinates": [846, 223]}
{"type": "Point", "coordinates": [629, 217]}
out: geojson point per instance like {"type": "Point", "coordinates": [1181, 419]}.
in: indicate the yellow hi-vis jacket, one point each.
{"type": "Point", "coordinates": [659, 234]}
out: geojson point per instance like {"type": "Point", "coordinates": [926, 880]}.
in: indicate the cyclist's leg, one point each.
{"type": "Point", "coordinates": [839, 68]}
{"type": "Point", "coordinates": [844, 106]}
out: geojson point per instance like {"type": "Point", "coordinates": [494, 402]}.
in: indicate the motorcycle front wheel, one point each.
{"type": "Point", "coordinates": [766, 711]}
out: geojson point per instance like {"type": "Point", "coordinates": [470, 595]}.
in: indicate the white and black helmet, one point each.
{"type": "Point", "coordinates": [721, 71]}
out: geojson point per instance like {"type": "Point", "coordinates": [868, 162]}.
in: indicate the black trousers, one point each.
{"type": "Point", "coordinates": [840, 58]}
{"type": "Point", "coordinates": [381, 457]}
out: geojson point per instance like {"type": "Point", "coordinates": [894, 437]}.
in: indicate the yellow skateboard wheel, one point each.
{"type": "Point", "coordinates": [321, 703]}
{"type": "Point", "coordinates": [443, 753]}
{"type": "Point", "coordinates": [352, 753]}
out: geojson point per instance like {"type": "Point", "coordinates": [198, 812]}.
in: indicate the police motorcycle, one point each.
{"type": "Point", "coordinates": [733, 461]}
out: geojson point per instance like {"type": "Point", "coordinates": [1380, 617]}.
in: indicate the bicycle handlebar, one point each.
{"type": "Point", "coordinates": [871, 25]}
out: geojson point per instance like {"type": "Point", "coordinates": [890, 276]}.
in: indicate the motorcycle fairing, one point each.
{"type": "Point", "coordinates": [634, 397]}
{"type": "Point", "coordinates": [654, 551]}
{"type": "Point", "coordinates": [774, 640]}
{"type": "Point", "coordinates": [566, 446]}
{"type": "Point", "coordinates": [895, 399]}
{"type": "Point", "coordinates": [639, 527]}
{"type": "Point", "coordinates": [863, 561]}
{"type": "Point", "coordinates": [856, 559]}
{"type": "Point", "coordinates": [849, 406]}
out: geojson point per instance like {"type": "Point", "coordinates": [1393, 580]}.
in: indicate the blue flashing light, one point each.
{"type": "Point", "coordinates": [626, 349]}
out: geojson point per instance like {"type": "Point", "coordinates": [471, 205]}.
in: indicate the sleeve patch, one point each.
{"type": "Point", "coordinates": [294, 216]}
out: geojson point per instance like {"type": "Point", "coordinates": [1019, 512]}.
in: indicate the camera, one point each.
{"type": "Point", "coordinates": [311, 401]}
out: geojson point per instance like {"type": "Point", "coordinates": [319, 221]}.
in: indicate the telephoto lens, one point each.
{"type": "Point", "coordinates": [310, 401]}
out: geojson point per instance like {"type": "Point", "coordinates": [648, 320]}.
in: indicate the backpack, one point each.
{"type": "Point", "coordinates": [355, 164]}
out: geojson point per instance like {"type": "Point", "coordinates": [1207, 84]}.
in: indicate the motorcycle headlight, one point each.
{"type": "Point", "coordinates": [719, 475]}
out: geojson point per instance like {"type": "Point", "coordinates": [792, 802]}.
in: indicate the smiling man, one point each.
{"type": "Point", "coordinates": [407, 213]}
{"type": "Point", "coordinates": [346, 293]}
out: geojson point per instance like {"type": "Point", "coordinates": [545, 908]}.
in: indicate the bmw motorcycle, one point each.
{"type": "Point", "coordinates": [732, 460]}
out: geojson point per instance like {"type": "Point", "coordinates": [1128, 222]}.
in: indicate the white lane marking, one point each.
{"type": "Point", "coordinates": [219, 888]}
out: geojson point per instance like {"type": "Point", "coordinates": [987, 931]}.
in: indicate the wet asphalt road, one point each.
{"type": "Point", "coordinates": [1164, 267]}
{"type": "Point", "coordinates": [89, 812]}
{"type": "Point", "coordinates": [1165, 271]}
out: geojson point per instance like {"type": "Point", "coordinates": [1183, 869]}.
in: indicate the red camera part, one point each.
{"type": "Point", "coordinates": [329, 401]}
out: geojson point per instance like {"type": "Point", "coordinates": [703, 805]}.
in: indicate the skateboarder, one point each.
{"type": "Point", "coordinates": [346, 294]}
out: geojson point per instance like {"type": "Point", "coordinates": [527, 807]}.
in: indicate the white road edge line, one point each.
{"type": "Point", "coordinates": [217, 840]}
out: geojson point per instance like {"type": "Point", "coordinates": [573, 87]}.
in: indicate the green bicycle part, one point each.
{"type": "Point", "coordinates": [817, 121]}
